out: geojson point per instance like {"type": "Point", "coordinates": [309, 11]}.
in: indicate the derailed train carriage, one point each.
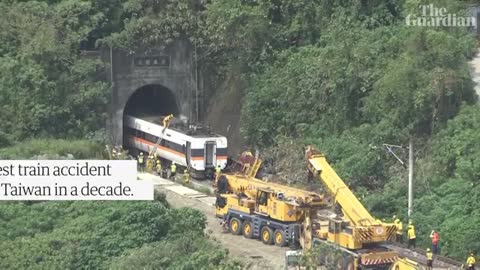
{"type": "Point", "coordinates": [192, 146]}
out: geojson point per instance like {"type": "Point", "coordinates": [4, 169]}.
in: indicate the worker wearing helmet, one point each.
{"type": "Point", "coordinates": [471, 262]}
{"type": "Point", "coordinates": [141, 160]}
{"type": "Point", "coordinates": [411, 235]}
{"type": "Point", "coordinates": [173, 171]}
{"type": "Point", "coordinates": [218, 171]}
{"type": "Point", "coordinates": [399, 225]}
{"type": "Point", "coordinates": [186, 176]}
{"type": "Point", "coordinates": [166, 120]}
{"type": "Point", "coordinates": [429, 255]}
{"type": "Point", "coordinates": [158, 168]}
{"type": "Point", "coordinates": [150, 163]}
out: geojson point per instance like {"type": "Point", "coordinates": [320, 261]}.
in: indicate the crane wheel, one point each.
{"type": "Point", "coordinates": [279, 238]}
{"type": "Point", "coordinates": [247, 229]}
{"type": "Point", "coordinates": [328, 259]}
{"type": "Point", "coordinates": [348, 262]}
{"type": "Point", "coordinates": [350, 266]}
{"type": "Point", "coordinates": [266, 234]}
{"type": "Point", "coordinates": [236, 226]}
{"type": "Point", "coordinates": [341, 264]}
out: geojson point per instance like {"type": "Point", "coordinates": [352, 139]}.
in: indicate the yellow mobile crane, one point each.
{"type": "Point", "coordinates": [355, 233]}
{"type": "Point", "coordinates": [273, 213]}
{"type": "Point", "coordinates": [244, 201]}
{"type": "Point", "coordinates": [359, 227]}
{"type": "Point", "coordinates": [362, 238]}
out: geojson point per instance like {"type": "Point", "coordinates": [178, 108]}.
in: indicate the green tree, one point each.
{"type": "Point", "coordinates": [186, 251]}
{"type": "Point", "coordinates": [94, 235]}
{"type": "Point", "coordinates": [46, 88]}
{"type": "Point", "coordinates": [424, 86]}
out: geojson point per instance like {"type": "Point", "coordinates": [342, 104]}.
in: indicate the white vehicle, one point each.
{"type": "Point", "coordinates": [191, 146]}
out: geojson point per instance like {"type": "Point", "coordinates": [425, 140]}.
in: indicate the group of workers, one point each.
{"type": "Point", "coordinates": [151, 163]}
{"type": "Point", "coordinates": [154, 164]}
{"type": "Point", "coordinates": [412, 238]}
{"type": "Point", "coordinates": [434, 235]}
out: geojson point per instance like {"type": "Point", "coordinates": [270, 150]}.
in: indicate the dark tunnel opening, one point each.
{"type": "Point", "coordinates": [152, 100]}
{"type": "Point", "coordinates": [149, 103]}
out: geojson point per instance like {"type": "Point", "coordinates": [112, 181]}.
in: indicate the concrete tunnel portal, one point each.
{"type": "Point", "coordinates": [150, 81]}
{"type": "Point", "coordinates": [152, 100]}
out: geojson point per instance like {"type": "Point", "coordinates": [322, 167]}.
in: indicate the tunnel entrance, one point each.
{"type": "Point", "coordinates": [149, 103]}
{"type": "Point", "coordinates": [152, 100]}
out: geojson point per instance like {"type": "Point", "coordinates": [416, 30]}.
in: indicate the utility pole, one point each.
{"type": "Point", "coordinates": [196, 84]}
{"type": "Point", "coordinates": [390, 148]}
{"type": "Point", "coordinates": [410, 177]}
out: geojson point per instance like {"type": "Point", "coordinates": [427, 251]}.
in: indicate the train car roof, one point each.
{"type": "Point", "coordinates": [193, 130]}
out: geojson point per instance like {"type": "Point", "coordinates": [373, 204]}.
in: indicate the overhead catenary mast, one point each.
{"type": "Point", "coordinates": [390, 148]}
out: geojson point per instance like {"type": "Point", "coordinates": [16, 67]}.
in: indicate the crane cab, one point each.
{"type": "Point", "coordinates": [336, 230]}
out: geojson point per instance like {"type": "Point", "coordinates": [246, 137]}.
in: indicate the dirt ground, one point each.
{"type": "Point", "coordinates": [253, 253]}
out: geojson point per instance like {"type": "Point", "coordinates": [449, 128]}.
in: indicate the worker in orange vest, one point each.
{"type": "Point", "coordinates": [435, 238]}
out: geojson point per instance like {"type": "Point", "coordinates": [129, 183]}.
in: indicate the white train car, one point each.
{"type": "Point", "coordinates": [189, 146]}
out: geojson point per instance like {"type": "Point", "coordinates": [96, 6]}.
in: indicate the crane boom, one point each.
{"type": "Point", "coordinates": [361, 228]}
{"type": "Point", "coordinates": [249, 186]}
{"type": "Point", "coordinates": [356, 213]}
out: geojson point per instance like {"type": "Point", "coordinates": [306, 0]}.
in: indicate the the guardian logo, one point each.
{"type": "Point", "coordinates": [435, 17]}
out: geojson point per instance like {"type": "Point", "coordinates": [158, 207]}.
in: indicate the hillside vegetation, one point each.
{"type": "Point", "coordinates": [343, 75]}
{"type": "Point", "coordinates": [106, 235]}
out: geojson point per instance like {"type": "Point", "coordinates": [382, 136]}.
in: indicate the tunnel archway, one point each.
{"type": "Point", "coordinates": [148, 102]}
{"type": "Point", "coordinates": [152, 100]}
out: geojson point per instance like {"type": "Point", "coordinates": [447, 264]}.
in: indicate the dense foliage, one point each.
{"type": "Point", "coordinates": [182, 251]}
{"type": "Point", "coordinates": [404, 81]}
{"type": "Point", "coordinates": [101, 235]}
{"type": "Point", "coordinates": [51, 148]}
{"type": "Point", "coordinates": [344, 75]}
{"type": "Point", "coordinates": [446, 186]}
{"type": "Point", "coordinates": [46, 88]}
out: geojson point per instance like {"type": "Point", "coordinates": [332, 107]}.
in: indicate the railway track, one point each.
{"type": "Point", "coordinates": [419, 256]}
